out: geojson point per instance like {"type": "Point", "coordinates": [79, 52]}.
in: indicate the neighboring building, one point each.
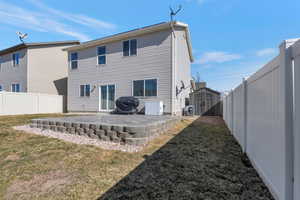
{"type": "Point", "coordinates": [35, 67]}
{"type": "Point", "coordinates": [151, 63]}
{"type": "Point", "coordinates": [205, 99]}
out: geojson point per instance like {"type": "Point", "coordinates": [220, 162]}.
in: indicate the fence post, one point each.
{"type": "Point", "coordinates": [245, 114]}
{"type": "Point", "coordinates": [296, 67]}
{"type": "Point", "coordinates": [232, 110]}
{"type": "Point", "coordinates": [286, 76]}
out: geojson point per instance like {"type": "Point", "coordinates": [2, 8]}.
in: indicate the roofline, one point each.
{"type": "Point", "coordinates": [209, 89]}
{"type": "Point", "coordinates": [136, 32]}
{"type": "Point", "coordinates": [37, 44]}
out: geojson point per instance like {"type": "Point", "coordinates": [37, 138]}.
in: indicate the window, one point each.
{"type": "Point", "coordinates": [74, 60]}
{"type": "Point", "coordinates": [145, 88]}
{"type": "Point", "coordinates": [101, 52]}
{"type": "Point", "coordinates": [85, 90]}
{"type": "Point", "coordinates": [1, 88]}
{"type": "Point", "coordinates": [138, 88]}
{"type": "Point", "coordinates": [151, 88]}
{"type": "Point", "coordinates": [130, 47]}
{"type": "Point", "coordinates": [16, 60]}
{"type": "Point", "coordinates": [15, 87]}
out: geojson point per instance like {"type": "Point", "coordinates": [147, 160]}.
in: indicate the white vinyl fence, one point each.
{"type": "Point", "coordinates": [263, 114]}
{"type": "Point", "coordinates": [29, 103]}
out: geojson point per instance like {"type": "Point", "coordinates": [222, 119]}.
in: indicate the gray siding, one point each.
{"type": "Point", "coordinates": [153, 61]}
{"type": "Point", "coordinates": [182, 70]}
{"type": "Point", "coordinates": [10, 74]}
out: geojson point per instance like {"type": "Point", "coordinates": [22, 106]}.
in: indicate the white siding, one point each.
{"type": "Point", "coordinates": [182, 70]}
{"type": "Point", "coordinates": [153, 61]}
{"type": "Point", "coordinates": [10, 74]}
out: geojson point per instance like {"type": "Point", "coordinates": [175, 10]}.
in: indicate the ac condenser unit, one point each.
{"type": "Point", "coordinates": [154, 108]}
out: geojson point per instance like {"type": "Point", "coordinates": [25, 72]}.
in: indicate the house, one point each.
{"type": "Point", "coordinates": [35, 67]}
{"type": "Point", "coordinates": [205, 100]}
{"type": "Point", "coordinates": [151, 63]}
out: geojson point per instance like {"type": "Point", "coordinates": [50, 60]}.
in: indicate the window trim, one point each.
{"type": "Point", "coordinates": [13, 60]}
{"type": "Point", "coordinates": [132, 85]}
{"type": "Point", "coordinates": [129, 48]}
{"type": "Point", "coordinates": [11, 87]}
{"type": "Point", "coordinates": [71, 61]}
{"type": "Point", "coordinates": [97, 55]}
{"type": "Point", "coordinates": [84, 91]}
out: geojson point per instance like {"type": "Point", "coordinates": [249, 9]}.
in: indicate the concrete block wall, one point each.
{"type": "Point", "coordinates": [131, 135]}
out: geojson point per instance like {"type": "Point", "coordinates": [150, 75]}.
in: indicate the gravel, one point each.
{"type": "Point", "coordinates": [77, 139]}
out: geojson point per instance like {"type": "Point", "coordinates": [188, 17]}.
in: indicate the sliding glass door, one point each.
{"type": "Point", "coordinates": [107, 97]}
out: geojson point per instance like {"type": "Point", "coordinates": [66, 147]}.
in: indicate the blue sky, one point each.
{"type": "Point", "coordinates": [231, 38]}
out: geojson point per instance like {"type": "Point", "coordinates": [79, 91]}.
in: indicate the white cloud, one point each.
{"type": "Point", "coordinates": [217, 57]}
{"type": "Point", "coordinates": [266, 52]}
{"type": "Point", "coordinates": [37, 21]}
{"type": "Point", "coordinates": [76, 18]}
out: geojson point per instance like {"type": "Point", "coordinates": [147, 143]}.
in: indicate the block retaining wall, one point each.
{"type": "Point", "coordinates": [131, 135]}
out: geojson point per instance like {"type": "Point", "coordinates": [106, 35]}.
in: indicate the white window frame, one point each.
{"type": "Point", "coordinates": [97, 58]}
{"type": "Point", "coordinates": [84, 91]}
{"type": "Point", "coordinates": [144, 96]}
{"type": "Point", "coordinates": [13, 60]}
{"type": "Point", "coordinates": [71, 61]}
{"type": "Point", "coordinates": [130, 48]}
{"type": "Point", "coordinates": [14, 84]}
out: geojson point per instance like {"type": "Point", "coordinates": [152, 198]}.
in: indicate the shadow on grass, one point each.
{"type": "Point", "coordinates": [202, 162]}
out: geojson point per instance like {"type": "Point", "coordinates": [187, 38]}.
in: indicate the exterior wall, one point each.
{"type": "Point", "coordinates": [10, 74]}
{"type": "Point", "coordinates": [153, 60]}
{"type": "Point", "coordinates": [181, 70]}
{"type": "Point", "coordinates": [48, 69]}
{"type": "Point", "coordinates": [31, 103]}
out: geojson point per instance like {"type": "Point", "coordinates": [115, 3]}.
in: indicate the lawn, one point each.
{"type": "Point", "coordinates": [194, 160]}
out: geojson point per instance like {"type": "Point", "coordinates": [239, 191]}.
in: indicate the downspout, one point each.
{"type": "Point", "coordinates": [173, 72]}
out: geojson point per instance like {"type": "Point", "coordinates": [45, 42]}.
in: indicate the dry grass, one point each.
{"type": "Point", "coordinates": [36, 167]}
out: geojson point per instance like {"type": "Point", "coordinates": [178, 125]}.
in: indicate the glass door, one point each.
{"type": "Point", "coordinates": [107, 97]}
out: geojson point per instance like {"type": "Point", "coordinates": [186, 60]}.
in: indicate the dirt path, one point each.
{"type": "Point", "coordinates": [202, 162]}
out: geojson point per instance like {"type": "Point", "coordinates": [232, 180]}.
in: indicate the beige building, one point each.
{"type": "Point", "coordinates": [151, 63]}
{"type": "Point", "coordinates": [35, 67]}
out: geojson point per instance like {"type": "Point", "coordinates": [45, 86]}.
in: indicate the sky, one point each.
{"type": "Point", "coordinates": [231, 39]}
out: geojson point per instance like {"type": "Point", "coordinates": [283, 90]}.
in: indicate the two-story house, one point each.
{"type": "Point", "coordinates": [35, 67]}
{"type": "Point", "coordinates": [151, 63]}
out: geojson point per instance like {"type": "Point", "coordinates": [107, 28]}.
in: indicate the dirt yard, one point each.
{"type": "Point", "coordinates": [195, 160]}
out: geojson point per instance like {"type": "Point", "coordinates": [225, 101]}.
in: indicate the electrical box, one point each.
{"type": "Point", "coordinates": [154, 108]}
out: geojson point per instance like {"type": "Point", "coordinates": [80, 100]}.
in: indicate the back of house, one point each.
{"type": "Point", "coordinates": [151, 63]}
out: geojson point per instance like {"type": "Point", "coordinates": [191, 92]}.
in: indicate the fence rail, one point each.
{"type": "Point", "coordinates": [29, 103]}
{"type": "Point", "coordinates": [263, 114]}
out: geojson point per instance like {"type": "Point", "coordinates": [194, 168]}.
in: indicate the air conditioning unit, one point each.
{"type": "Point", "coordinates": [154, 108]}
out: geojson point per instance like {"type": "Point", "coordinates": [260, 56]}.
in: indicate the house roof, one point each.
{"type": "Point", "coordinates": [206, 88]}
{"type": "Point", "coordinates": [36, 44]}
{"type": "Point", "coordinates": [134, 33]}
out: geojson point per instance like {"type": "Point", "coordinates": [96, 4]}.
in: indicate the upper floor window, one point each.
{"type": "Point", "coordinates": [130, 47]}
{"type": "Point", "coordinates": [145, 88]}
{"type": "Point", "coordinates": [74, 60]}
{"type": "Point", "coordinates": [101, 52]}
{"type": "Point", "coordinates": [85, 90]}
{"type": "Point", "coordinates": [16, 59]}
{"type": "Point", "coordinates": [15, 87]}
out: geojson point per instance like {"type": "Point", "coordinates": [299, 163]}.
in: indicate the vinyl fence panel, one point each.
{"type": "Point", "coordinates": [263, 114]}
{"type": "Point", "coordinates": [29, 103]}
